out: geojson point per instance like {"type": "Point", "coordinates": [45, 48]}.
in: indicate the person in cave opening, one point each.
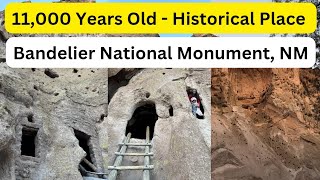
{"type": "Point", "coordinates": [195, 103]}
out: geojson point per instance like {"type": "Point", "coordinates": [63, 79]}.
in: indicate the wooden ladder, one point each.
{"type": "Point", "coordinates": [122, 152]}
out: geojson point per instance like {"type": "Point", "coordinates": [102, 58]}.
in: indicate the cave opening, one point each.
{"type": "Point", "coordinates": [84, 140]}
{"type": "Point", "coordinates": [142, 117]}
{"type": "Point", "coordinates": [120, 79]}
{"type": "Point", "coordinates": [50, 73]}
{"type": "Point", "coordinates": [193, 93]}
{"type": "Point", "coordinates": [30, 118]}
{"type": "Point", "coordinates": [171, 111]}
{"type": "Point", "coordinates": [28, 147]}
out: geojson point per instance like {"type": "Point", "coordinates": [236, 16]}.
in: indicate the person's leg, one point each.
{"type": "Point", "coordinates": [198, 111]}
{"type": "Point", "coordinates": [194, 110]}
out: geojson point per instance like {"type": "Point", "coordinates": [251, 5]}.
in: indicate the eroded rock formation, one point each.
{"type": "Point", "coordinates": [181, 142]}
{"type": "Point", "coordinates": [264, 124]}
{"type": "Point", "coordinates": [46, 107]}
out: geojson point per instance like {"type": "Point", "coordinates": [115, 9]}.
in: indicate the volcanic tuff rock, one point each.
{"type": "Point", "coordinates": [53, 103]}
{"type": "Point", "coordinates": [204, 35]}
{"type": "Point", "coordinates": [264, 124]}
{"type": "Point", "coordinates": [181, 142]}
{"type": "Point", "coordinates": [54, 107]}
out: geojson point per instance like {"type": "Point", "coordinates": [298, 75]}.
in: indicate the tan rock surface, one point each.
{"type": "Point", "coordinates": [263, 124]}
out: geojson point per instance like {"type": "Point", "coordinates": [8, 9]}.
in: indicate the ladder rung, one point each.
{"type": "Point", "coordinates": [92, 166]}
{"type": "Point", "coordinates": [136, 144]}
{"type": "Point", "coordinates": [149, 167]}
{"type": "Point", "coordinates": [134, 154]}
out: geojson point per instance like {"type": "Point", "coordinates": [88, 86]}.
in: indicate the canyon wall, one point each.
{"type": "Point", "coordinates": [181, 142]}
{"type": "Point", "coordinates": [265, 124]}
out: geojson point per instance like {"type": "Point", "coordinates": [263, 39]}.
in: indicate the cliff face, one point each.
{"type": "Point", "coordinates": [181, 142]}
{"type": "Point", "coordinates": [54, 112]}
{"type": "Point", "coordinates": [264, 124]}
{"type": "Point", "coordinates": [49, 105]}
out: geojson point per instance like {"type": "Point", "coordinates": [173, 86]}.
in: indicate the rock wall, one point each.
{"type": "Point", "coordinates": [53, 103]}
{"type": "Point", "coordinates": [54, 107]}
{"type": "Point", "coordinates": [59, 101]}
{"type": "Point", "coordinates": [264, 124]}
{"type": "Point", "coordinates": [181, 143]}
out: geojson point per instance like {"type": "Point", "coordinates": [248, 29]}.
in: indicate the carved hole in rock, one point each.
{"type": "Point", "coordinates": [75, 70]}
{"type": "Point", "coordinates": [30, 118]}
{"type": "Point", "coordinates": [35, 87]}
{"type": "Point", "coordinates": [28, 147]}
{"type": "Point", "coordinates": [171, 111]}
{"type": "Point", "coordinates": [194, 93]}
{"type": "Point", "coordinates": [51, 73]}
{"type": "Point", "coordinates": [142, 117]}
{"type": "Point", "coordinates": [147, 95]}
{"type": "Point", "coordinates": [102, 117]}
{"type": "Point", "coordinates": [84, 144]}
{"type": "Point", "coordinates": [120, 79]}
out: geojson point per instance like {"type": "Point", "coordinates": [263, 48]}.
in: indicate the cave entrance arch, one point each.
{"type": "Point", "coordinates": [143, 116]}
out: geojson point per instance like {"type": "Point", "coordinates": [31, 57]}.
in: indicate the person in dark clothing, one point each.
{"type": "Point", "coordinates": [195, 103]}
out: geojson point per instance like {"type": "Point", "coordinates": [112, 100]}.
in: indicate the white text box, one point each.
{"type": "Point", "coordinates": [153, 52]}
